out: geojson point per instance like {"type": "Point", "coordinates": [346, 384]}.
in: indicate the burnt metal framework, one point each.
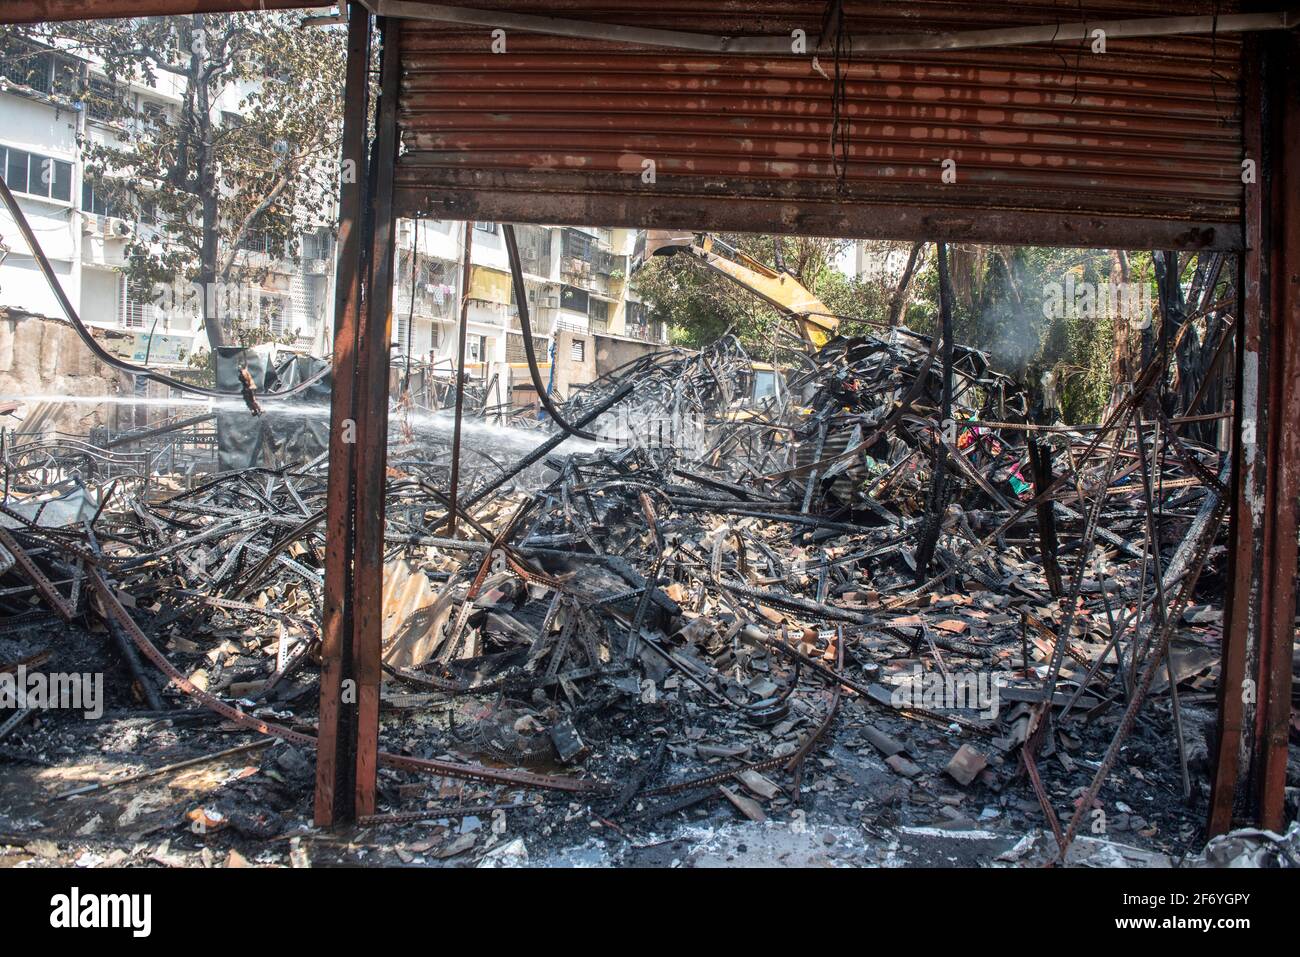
{"type": "Point", "coordinates": [1049, 143]}
{"type": "Point", "coordinates": [466, 114]}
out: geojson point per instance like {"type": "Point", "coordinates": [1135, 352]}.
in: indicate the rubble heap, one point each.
{"type": "Point", "coordinates": [712, 601]}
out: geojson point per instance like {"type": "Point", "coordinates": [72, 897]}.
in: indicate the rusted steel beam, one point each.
{"type": "Point", "coordinates": [44, 11]}
{"type": "Point", "coordinates": [335, 759]}
{"type": "Point", "coordinates": [466, 275]}
{"type": "Point", "coordinates": [1245, 534]}
{"type": "Point", "coordinates": [1277, 638]}
{"type": "Point", "coordinates": [1259, 615]}
{"type": "Point", "coordinates": [44, 587]}
{"type": "Point", "coordinates": [572, 200]}
{"type": "Point", "coordinates": [373, 340]}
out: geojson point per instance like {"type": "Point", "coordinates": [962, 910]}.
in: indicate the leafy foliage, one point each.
{"type": "Point", "coordinates": [700, 306]}
{"type": "Point", "coordinates": [247, 162]}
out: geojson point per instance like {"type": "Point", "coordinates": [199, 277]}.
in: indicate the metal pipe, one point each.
{"type": "Point", "coordinates": [867, 44]}
{"type": "Point", "coordinates": [465, 275]}
{"type": "Point", "coordinates": [100, 353]}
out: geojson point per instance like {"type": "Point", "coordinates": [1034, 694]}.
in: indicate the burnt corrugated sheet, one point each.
{"type": "Point", "coordinates": [1052, 143]}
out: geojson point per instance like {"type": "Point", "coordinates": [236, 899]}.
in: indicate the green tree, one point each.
{"type": "Point", "coordinates": [214, 184]}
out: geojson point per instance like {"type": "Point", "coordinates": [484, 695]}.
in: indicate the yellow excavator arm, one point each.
{"type": "Point", "coordinates": [780, 290]}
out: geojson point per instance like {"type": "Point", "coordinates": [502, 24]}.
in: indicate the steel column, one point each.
{"type": "Point", "coordinates": [1277, 635]}
{"type": "Point", "coordinates": [1259, 617]}
{"type": "Point", "coordinates": [336, 753]}
{"type": "Point", "coordinates": [374, 340]}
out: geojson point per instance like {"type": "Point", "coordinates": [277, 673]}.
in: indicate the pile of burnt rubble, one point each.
{"type": "Point", "coordinates": [765, 588]}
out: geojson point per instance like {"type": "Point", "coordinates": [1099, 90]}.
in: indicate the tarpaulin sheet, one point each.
{"type": "Point", "coordinates": [294, 430]}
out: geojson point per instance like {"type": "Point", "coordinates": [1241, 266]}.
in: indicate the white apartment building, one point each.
{"type": "Point", "coordinates": [44, 120]}
{"type": "Point", "coordinates": [577, 277]}
{"type": "Point", "coordinates": [578, 293]}
{"type": "Point", "coordinates": [878, 262]}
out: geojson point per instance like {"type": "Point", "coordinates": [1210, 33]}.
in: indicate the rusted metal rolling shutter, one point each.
{"type": "Point", "coordinates": [1051, 144]}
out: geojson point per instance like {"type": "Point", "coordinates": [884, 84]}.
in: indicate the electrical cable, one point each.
{"type": "Point", "coordinates": [99, 351]}
{"type": "Point", "coordinates": [521, 299]}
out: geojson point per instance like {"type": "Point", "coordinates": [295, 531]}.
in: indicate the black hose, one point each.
{"type": "Point", "coordinates": [521, 299]}
{"type": "Point", "coordinates": [102, 354]}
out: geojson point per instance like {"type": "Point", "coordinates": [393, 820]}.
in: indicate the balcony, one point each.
{"type": "Point", "coordinates": [646, 332]}
{"type": "Point", "coordinates": [575, 271]}
{"type": "Point", "coordinates": [541, 318]}
{"type": "Point", "coordinates": [608, 264]}
{"type": "Point", "coordinates": [427, 305]}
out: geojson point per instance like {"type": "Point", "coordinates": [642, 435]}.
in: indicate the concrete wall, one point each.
{"type": "Point", "coordinates": [612, 352]}
{"type": "Point", "coordinates": [570, 371]}
{"type": "Point", "coordinates": [44, 357]}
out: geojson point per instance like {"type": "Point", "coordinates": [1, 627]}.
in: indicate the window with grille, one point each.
{"type": "Point", "coordinates": [578, 350]}
{"type": "Point", "coordinates": [104, 100]}
{"type": "Point", "coordinates": [135, 306]}
{"type": "Point", "coordinates": [317, 244]}
{"type": "Point", "coordinates": [41, 70]}
{"type": "Point", "coordinates": [578, 245]}
{"type": "Point", "coordinates": [515, 348]}
{"type": "Point", "coordinates": [268, 239]}
{"type": "Point", "coordinates": [277, 314]}
{"type": "Point", "coordinates": [26, 65]}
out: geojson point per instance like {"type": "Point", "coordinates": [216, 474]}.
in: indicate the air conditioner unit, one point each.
{"type": "Point", "coordinates": [550, 302]}
{"type": "Point", "coordinates": [316, 267]}
{"type": "Point", "coordinates": [115, 228]}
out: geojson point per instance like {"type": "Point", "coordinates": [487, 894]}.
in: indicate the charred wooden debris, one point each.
{"type": "Point", "coordinates": [745, 561]}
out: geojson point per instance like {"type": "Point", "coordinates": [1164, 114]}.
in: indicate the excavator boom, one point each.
{"type": "Point", "coordinates": [816, 323]}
